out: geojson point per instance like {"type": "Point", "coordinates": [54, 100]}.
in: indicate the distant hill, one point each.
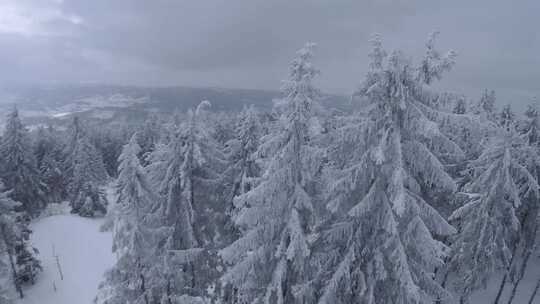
{"type": "Point", "coordinates": [42, 103]}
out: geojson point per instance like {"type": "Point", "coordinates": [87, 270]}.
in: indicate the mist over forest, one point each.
{"type": "Point", "coordinates": [211, 153]}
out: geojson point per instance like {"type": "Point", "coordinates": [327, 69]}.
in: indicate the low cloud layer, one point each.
{"type": "Point", "coordinates": [248, 43]}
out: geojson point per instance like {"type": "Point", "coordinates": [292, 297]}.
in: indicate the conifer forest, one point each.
{"type": "Point", "coordinates": [405, 190]}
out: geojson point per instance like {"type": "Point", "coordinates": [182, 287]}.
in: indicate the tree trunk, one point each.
{"type": "Point", "coordinates": [143, 288]}
{"type": "Point", "coordinates": [520, 277]}
{"type": "Point", "coordinates": [443, 284]}
{"type": "Point", "coordinates": [505, 277]}
{"type": "Point", "coordinates": [527, 255]}
{"type": "Point", "coordinates": [12, 264]}
{"type": "Point", "coordinates": [14, 273]}
{"type": "Point", "coordinates": [169, 292]}
{"type": "Point", "coordinates": [501, 288]}
{"type": "Point", "coordinates": [535, 291]}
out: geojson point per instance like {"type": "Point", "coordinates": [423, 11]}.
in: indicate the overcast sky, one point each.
{"type": "Point", "coordinates": [249, 43]}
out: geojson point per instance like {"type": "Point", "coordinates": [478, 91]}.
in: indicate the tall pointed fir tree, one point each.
{"type": "Point", "coordinates": [498, 226]}
{"type": "Point", "coordinates": [49, 154]}
{"type": "Point", "coordinates": [243, 170]}
{"type": "Point", "coordinates": [507, 118]}
{"type": "Point", "coordinates": [499, 220]}
{"type": "Point", "coordinates": [134, 241]}
{"type": "Point", "coordinates": [191, 210]}
{"type": "Point", "coordinates": [268, 262]}
{"type": "Point", "coordinates": [528, 156]}
{"type": "Point", "coordinates": [468, 129]}
{"type": "Point", "coordinates": [21, 177]}
{"type": "Point", "coordinates": [460, 106]}
{"type": "Point", "coordinates": [108, 143]}
{"type": "Point", "coordinates": [380, 245]}
{"type": "Point", "coordinates": [18, 264]}
{"type": "Point", "coordinates": [524, 147]}
{"type": "Point", "coordinates": [52, 177]}
{"type": "Point", "coordinates": [85, 174]}
{"type": "Point", "coordinates": [531, 125]}
{"type": "Point", "coordinates": [75, 131]}
{"type": "Point", "coordinates": [44, 141]}
{"type": "Point", "coordinates": [148, 137]}
{"type": "Point", "coordinates": [9, 285]}
{"type": "Point", "coordinates": [19, 168]}
{"type": "Point", "coordinates": [486, 105]}
{"type": "Point", "coordinates": [433, 65]}
{"type": "Point", "coordinates": [242, 153]}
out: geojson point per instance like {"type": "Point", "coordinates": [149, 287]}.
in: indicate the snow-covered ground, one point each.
{"type": "Point", "coordinates": [523, 293]}
{"type": "Point", "coordinates": [84, 254]}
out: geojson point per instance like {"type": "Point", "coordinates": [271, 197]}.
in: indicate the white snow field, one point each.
{"type": "Point", "coordinates": [523, 292]}
{"type": "Point", "coordinates": [84, 254]}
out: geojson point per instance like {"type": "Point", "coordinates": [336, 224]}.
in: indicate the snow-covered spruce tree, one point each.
{"type": "Point", "coordinates": [460, 106]}
{"type": "Point", "coordinates": [433, 65]}
{"type": "Point", "coordinates": [148, 137]}
{"type": "Point", "coordinates": [192, 210]}
{"type": "Point", "coordinates": [158, 161]}
{"type": "Point", "coordinates": [498, 226]}
{"type": "Point", "coordinates": [46, 140]}
{"type": "Point", "coordinates": [268, 262]}
{"type": "Point", "coordinates": [108, 141]}
{"type": "Point", "coordinates": [244, 168]}
{"type": "Point", "coordinates": [28, 266]}
{"type": "Point", "coordinates": [18, 264]}
{"type": "Point", "coordinates": [9, 234]}
{"type": "Point", "coordinates": [51, 175]}
{"type": "Point", "coordinates": [469, 129]}
{"type": "Point", "coordinates": [530, 128]}
{"type": "Point", "coordinates": [74, 132]}
{"type": "Point", "coordinates": [244, 171]}
{"type": "Point", "coordinates": [48, 149]}
{"type": "Point", "coordinates": [224, 126]}
{"type": "Point", "coordinates": [528, 156]}
{"type": "Point", "coordinates": [344, 141]}
{"type": "Point", "coordinates": [85, 174]}
{"type": "Point", "coordinates": [486, 105]}
{"type": "Point", "coordinates": [380, 245]}
{"type": "Point", "coordinates": [134, 241]}
{"type": "Point", "coordinates": [507, 118]}
{"type": "Point", "coordinates": [90, 201]}
{"type": "Point", "coordinates": [18, 166]}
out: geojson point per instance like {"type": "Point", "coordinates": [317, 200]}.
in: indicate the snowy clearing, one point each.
{"type": "Point", "coordinates": [523, 293]}
{"type": "Point", "coordinates": [84, 254]}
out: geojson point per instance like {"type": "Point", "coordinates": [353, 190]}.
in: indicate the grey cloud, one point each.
{"type": "Point", "coordinates": [216, 34]}
{"type": "Point", "coordinates": [248, 43]}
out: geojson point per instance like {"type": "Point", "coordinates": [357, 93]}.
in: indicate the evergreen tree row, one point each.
{"type": "Point", "coordinates": [419, 197]}
{"type": "Point", "coordinates": [39, 168]}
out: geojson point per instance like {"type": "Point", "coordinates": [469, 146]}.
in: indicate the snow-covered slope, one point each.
{"type": "Point", "coordinates": [84, 254]}
{"type": "Point", "coordinates": [524, 290]}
